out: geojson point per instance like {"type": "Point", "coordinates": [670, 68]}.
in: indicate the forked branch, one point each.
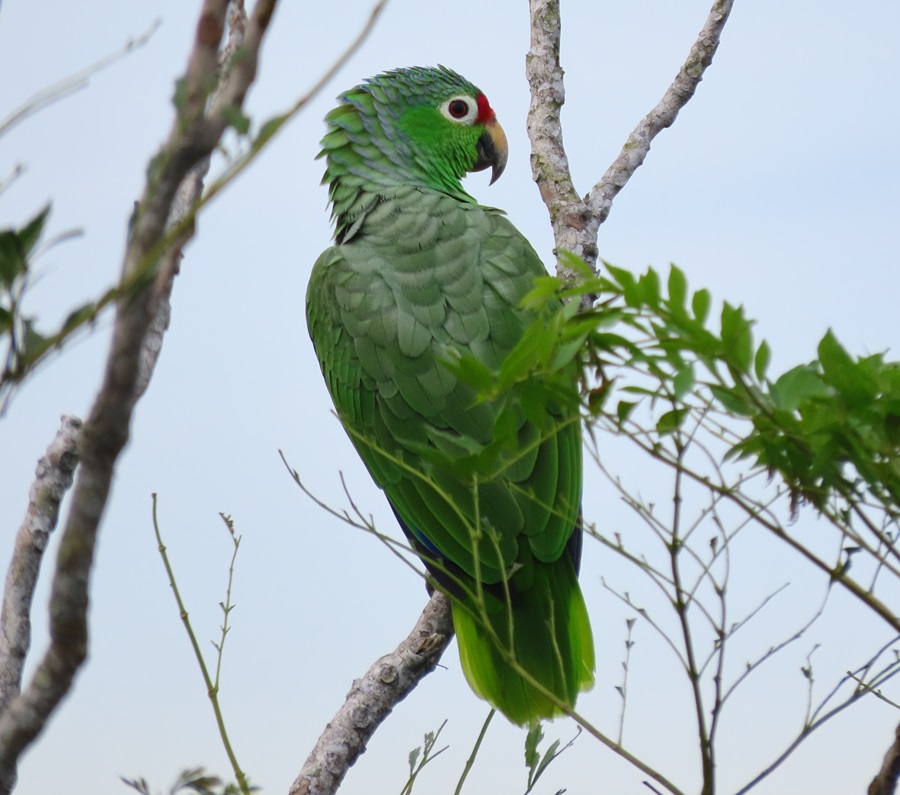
{"type": "Point", "coordinates": [576, 220]}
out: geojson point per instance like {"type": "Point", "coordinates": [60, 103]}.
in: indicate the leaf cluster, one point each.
{"type": "Point", "coordinates": [17, 247]}
{"type": "Point", "coordinates": [537, 383]}
{"type": "Point", "coordinates": [830, 428]}
{"type": "Point", "coordinates": [25, 345]}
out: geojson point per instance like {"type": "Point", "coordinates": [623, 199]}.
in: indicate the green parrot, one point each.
{"type": "Point", "coordinates": [419, 270]}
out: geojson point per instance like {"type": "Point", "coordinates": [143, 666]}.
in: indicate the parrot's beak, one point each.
{"type": "Point", "coordinates": [492, 150]}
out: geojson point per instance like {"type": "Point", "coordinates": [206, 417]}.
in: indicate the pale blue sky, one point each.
{"type": "Point", "coordinates": [776, 188]}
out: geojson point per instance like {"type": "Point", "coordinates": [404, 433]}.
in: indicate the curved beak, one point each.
{"type": "Point", "coordinates": [492, 150]}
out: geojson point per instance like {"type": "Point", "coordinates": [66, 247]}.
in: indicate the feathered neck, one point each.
{"type": "Point", "coordinates": [369, 155]}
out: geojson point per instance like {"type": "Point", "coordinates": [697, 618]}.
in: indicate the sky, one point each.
{"type": "Point", "coordinates": [775, 188]}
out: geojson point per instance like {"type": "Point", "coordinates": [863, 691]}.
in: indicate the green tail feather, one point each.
{"type": "Point", "coordinates": [551, 639]}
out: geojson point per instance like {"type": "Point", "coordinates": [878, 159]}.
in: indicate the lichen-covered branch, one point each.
{"type": "Point", "coordinates": [664, 114]}
{"type": "Point", "coordinates": [574, 229]}
{"type": "Point", "coordinates": [184, 204]}
{"type": "Point", "coordinates": [372, 698]}
{"type": "Point", "coordinates": [195, 132]}
{"type": "Point", "coordinates": [576, 221]}
{"type": "Point", "coordinates": [53, 478]}
{"type": "Point", "coordinates": [885, 783]}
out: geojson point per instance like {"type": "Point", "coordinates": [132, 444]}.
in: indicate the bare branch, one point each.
{"type": "Point", "coordinates": [372, 698]}
{"type": "Point", "coordinates": [53, 478]}
{"type": "Point", "coordinates": [664, 114]}
{"type": "Point", "coordinates": [194, 134]}
{"type": "Point", "coordinates": [17, 170]}
{"type": "Point", "coordinates": [574, 227]}
{"type": "Point", "coordinates": [184, 205]}
{"type": "Point", "coordinates": [576, 221]}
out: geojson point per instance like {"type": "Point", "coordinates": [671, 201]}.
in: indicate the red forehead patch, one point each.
{"type": "Point", "coordinates": [485, 111]}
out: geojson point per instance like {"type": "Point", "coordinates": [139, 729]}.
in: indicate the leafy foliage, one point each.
{"type": "Point", "coordinates": [829, 428]}
{"type": "Point", "coordinates": [670, 369]}
{"type": "Point", "coordinates": [25, 345]}
{"type": "Point", "coordinates": [17, 247]}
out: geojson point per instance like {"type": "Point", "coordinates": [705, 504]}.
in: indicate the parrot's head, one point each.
{"type": "Point", "coordinates": [426, 126]}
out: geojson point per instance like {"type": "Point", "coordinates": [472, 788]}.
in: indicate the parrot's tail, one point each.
{"type": "Point", "coordinates": [547, 632]}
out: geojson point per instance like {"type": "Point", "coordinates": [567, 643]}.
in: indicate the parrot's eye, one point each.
{"type": "Point", "coordinates": [462, 110]}
{"type": "Point", "coordinates": [458, 108]}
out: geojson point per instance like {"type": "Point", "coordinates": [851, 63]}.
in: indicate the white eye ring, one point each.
{"type": "Point", "coordinates": [452, 107]}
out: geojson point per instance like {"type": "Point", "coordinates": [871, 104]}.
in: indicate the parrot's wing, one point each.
{"type": "Point", "coordinates": [384, 313]}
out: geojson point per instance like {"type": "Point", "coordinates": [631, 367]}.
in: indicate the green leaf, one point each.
{"type": "Point", "coordinates": [844, 373]}
{"type": "Point", "coordinates": [544, 289]}
{"type": "Point", "coordinates": [79, 316]}
{"type": "Point", "coordinates": [413, 758]}
{"type": "Point", "coordinates": [677, 289]}
{"type": "Point", "coordinates": [531, 350]}
{"type": "Point", "coordinates": [700, 304]}
{"type": "Point", "coordinates": [796, 386]}
{"type": "Point", "coordinates": [549, 754]}
{"type": "Point", "coordinates": [237, 119]}
{"type": "Point", "coordinates": [622, 277]}
{"type": "Point", "coordinates": [624, 409]}
{"type": "Point", "coordinates": [648, 288]}
{"type": "Point", "coordinates": [671, 421]}
{"type": "Point", "coordinates": [683, 381]}
{"type": "Point", "coordinates": [269, 129]}
{"type": "Point", "coordinates": [532, 755]}
{"type": "Point", "coordinates": [12, 258]}
{"type": "Point", "coordinates": [34, 345]}
{"type": "Point", "coordinates": [761, 362]}
{"type": "Point", "coordinates": [468, 369]}
{"type": "Point", "coordinates": [736, 337]}
{"type": "Point", "coordinates": [597, 397]}
{"type": "Point", "coordinates": [32, 231]}
{"type": "Point", "coordinates": [179, 97]}
{"type": "Point", "coordinates": [572, 262]}
{"type": "Point", "coordinates": [732, 400]}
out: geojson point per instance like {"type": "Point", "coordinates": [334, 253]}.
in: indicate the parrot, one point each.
{"type": "Point", "coordinates": [419, 269]}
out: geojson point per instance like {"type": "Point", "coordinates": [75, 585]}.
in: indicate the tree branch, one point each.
{"type": "Point", "coordinates": [194, 134]}
{"type": "Point", "coordinates": [663, 115]}
{"type": "Point", "coordinates": [372, 698]}
{"type": "Point", "coordinates": [576, 221]}
{"type": "Point", "coordinates": [53, 478]}
{"type": "Point", "coordinates": [885, 783]}
{"type": "Point", "coordinates": [574, 227]}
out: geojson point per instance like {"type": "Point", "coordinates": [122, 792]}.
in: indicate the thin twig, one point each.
{"type": "Point", "coordinates": [623, 688]}
{"type": "Point", "coordinates": [471, 760]}
{"type": "Point", "coordinates": [681, 608]}
{"type": "Point", "coordinates": [227, 606]}
{"type": "Point", "coordinates": [67, 85]}
{"type": "Point", "coordinates": [212, 688]}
